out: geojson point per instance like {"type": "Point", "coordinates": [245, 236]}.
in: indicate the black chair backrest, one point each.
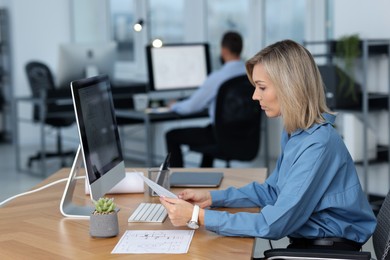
{"type": "Point", "coordinates": [237, 120]}
{"type": "Point", "coordinates": [39, 77]}
{"type": "Point", "coordinates": [41, 80]}
{"type": "Point", "coordinates": [381, 236]}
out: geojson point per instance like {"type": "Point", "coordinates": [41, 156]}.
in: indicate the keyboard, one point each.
{"type": "Point", "coordinates": [149, 212]}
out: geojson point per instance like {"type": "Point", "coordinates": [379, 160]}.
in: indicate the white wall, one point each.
{"type": "Point", "coordinates": [37, 29]}
{"type": "Point", "coordinates": [368, 18]}
{"type": "Point", "coordinates": [90, 21]}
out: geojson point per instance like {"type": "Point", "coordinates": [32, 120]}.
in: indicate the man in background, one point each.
{"type": "Point", "coordinates": [205, 97]}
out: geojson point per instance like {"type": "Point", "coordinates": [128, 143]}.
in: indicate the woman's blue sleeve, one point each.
{"type": "Point", "coordinates": [294, 204]}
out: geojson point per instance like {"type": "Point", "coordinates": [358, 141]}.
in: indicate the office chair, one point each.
{"type": "Point", "coordinates": [380, 239]}
{"type": "Point", "coordinates": [54, 114]}
{"type": "Point", "coordinates": [237, 123]}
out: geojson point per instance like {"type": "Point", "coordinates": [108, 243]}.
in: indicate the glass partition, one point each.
{"type": "Point", "coordinates": [286, 24]}
{"type": "Point", "coordinates": [166, 20]}
{"type": "Point", "coordinates": [226, 15]}
{"type": "Point", "coordinates": [180, 21]}
{"type": "Point", "coordinates": [122, 18]}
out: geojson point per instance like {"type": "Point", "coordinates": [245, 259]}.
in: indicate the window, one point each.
{"type": "Point", "coordinates": [122, 20]}
{"type": "Point", "coordinates": [225, 15]}
{"type": "Point", "coordinates": [166, 20]}
{"type": "Point", "coordinates": [286, 24]}
{"type": "Point", "coordinates": [177, 21]}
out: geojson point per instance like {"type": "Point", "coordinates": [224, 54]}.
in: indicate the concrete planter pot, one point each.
{"type": "Point", "coordinates": [104, 225]}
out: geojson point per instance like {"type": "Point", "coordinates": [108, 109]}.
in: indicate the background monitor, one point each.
{"type": "Point", "coordinates": [78, 61]}
{"type": "Point", "coordinates": [99, 141]}
{"type": "Point", "coordinates": [177, 66]}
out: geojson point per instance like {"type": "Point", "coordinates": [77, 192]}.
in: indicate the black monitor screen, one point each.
{"type": "Point", "coordinates": [98, 129]}
{"type": "Point", "coordinates": [177, 66]}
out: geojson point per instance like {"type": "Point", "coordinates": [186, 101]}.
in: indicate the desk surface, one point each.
{"type": "Point", "coordinates": [148, 119]}
{"type": "Point", "coordinates": [157, 116]}
{"type": "Point", "coordinates": [32, 227]}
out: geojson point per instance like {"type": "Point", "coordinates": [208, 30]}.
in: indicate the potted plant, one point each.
{"type": "Point", "coordinates": [104, 219]}
{"type": "Point", "coordinates": [348, 49]}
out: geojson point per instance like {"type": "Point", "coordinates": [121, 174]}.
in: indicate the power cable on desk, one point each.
{"type": "Point", "coordinates": [38, 189]}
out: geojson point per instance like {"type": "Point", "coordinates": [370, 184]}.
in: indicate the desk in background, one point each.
{"type": "Point", "coordinates": [150, 118]}
{"type": "Point", "coordinates": [32, 227]}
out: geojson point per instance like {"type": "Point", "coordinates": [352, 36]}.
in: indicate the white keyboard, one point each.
{"type": "Point", "coordinates": [149, 212]}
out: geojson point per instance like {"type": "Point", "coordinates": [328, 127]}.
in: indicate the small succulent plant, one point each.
{"type": "Point", "coordinates": [104, 206]}
{"type": "Point", "coordinates": [104, 220]}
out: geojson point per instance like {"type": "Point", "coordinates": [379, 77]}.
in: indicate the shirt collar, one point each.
{"type": "Point", "coordinates": [329, 119]}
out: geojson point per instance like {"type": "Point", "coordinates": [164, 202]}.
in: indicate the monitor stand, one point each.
{"type": "Point", "coordinates": [67, 207]}
{"type": "Point", "coordinates": [91, 71]}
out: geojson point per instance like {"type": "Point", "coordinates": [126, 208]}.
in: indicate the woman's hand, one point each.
{"type": "Point", "coordinates": [179, 211]}
{"type": "Point", "coordinates": [198, 197]}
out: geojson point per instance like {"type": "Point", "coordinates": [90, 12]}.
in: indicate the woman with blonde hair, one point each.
{"type": "Point", "coordinates": [313, 196]}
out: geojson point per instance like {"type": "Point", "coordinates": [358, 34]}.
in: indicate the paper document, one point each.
{"type": "Point", "coordinates": [154, 242]}
{"type": "Point", "coordinates": [161, 191]}
{"type": "Point", "coordinates": [157, 110]}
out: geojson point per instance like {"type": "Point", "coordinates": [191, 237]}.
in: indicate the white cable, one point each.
{"type": "Point", "coordinates": [38, 189]}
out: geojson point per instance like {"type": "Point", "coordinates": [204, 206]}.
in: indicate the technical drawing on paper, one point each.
{"type": "Point", "coordinates": [154, 241]}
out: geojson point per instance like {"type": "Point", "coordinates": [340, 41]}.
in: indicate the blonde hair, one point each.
{"type": "Point", "coordinates": [297, 80]}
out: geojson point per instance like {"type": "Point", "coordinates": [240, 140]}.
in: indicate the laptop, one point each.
{"type": "Point", "coordinates": [196, 179]}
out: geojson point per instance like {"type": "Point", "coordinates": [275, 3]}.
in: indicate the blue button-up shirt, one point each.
{"type": "Point", "coordinates": [205, 96]}
{"type": "Point", "coordinates": [314, 192]}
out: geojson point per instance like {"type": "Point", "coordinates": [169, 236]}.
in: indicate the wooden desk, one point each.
{"type": "Point", "coordinates": [32, 227]}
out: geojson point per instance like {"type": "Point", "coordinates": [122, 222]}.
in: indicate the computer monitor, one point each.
{"type": "Point", "coordinates": [78, 61]}
{"type": "Point", "coordinates": [177, 66]}
{"type": "Point", "coordinates": [100, 146]}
